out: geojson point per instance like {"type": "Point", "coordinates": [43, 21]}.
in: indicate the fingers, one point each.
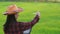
{"type": "Point", "coordinates": [38, 13]}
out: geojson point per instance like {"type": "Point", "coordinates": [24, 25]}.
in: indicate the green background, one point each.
{"type": "Point", "coordinates": [50, 16]}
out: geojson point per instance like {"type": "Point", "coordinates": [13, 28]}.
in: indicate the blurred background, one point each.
{"type": "Point", "coordinates": [33, 0]}
{"type": "Point", "coordinates": [49, 9]}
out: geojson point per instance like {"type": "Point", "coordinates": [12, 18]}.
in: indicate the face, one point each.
{"type": "Point", "coordinates": [16, 15]}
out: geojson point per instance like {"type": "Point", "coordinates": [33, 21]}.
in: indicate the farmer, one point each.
{"type": "Point", "coordinates": [13, 27]}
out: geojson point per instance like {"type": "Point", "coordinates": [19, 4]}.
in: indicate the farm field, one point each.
{"type": "Point", "coordinates": [49, 22]}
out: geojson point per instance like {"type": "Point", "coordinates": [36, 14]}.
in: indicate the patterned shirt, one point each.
{"type": "Point", "coordinates": [20, 27]}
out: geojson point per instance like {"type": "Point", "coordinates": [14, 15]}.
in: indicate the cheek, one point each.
{"type": "Point", "coordinates": [16, 16]}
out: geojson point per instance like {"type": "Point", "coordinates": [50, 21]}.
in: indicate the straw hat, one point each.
{"type": "Point", "coordinates": [12, 9]}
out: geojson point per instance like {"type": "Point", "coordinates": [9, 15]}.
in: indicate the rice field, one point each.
{"type": "Point", "coordinates": [49, 22]}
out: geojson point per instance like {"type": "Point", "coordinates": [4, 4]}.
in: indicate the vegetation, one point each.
{"type": "Point", "coordinates": [50, 16]}
{"type": "Point", "coordinates": [33, 0]}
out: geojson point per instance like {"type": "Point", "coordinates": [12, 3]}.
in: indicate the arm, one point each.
{"type": "Point", "coordinates": [33, 22]}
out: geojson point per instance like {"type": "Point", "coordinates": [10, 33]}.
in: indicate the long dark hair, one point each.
{"type": "Point", "coordinates": [10, 19]}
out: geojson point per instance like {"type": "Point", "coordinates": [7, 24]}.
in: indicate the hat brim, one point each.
{"type": "Point", "coordinates": [19, 10]}
{"type": "Point", "coordinates": [14, 11]}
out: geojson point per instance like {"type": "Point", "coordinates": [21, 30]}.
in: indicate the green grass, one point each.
{"type": "Point", "coordinates": [50, 16]}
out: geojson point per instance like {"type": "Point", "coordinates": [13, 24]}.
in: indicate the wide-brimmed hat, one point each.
{"type": "Point", "coordinates": [13, 9]}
